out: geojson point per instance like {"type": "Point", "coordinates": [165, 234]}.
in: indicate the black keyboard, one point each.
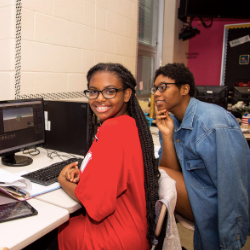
{"type": "Point", "coordinates": [48, 175]}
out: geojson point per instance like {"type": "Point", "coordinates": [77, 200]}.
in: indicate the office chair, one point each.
{"type": "Point", "coordinates": [161, 228]}
{"type": "Point", "coordinates": [166, 232]}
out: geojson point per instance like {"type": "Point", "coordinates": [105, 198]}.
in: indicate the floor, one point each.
{"type": "Point", "coordinates": [186, 237]}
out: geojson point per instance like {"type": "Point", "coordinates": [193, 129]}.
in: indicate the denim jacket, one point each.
{"type": "Point", "coordinates": [215, 161]}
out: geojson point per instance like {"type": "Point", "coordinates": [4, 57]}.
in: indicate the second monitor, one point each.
{"type": "Point", "coordinates": [212, 94]}
{"type": "Point", "coordinates": [66, 126]}
{"type": "Point", "coordinates": [242, 94]}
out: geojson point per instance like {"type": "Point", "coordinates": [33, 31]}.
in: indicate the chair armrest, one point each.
{"type": "Point", "coordinates": [160, 220]}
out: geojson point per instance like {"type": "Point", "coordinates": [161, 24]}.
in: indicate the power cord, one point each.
{"type": "Point", "coordinates": [204, 24]}
{"type": "Point", "coordinates": [32, 151]}
{"type": "Point", "coordinates": [53, 153]}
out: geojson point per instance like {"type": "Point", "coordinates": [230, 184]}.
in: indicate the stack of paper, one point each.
{"type": "Point", "coordinates": [20, 188]}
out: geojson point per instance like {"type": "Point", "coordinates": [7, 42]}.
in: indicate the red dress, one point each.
{"type": "Point", "coordinates": [111, 188]}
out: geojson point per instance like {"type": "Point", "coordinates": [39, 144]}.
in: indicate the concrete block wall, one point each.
{"type": "Point", "coordinates": [7, 49]}
{"type": "Point", "coordinates": [62, 39]}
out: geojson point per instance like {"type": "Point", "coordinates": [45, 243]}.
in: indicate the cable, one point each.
{"type": "Point", "coordinates": [34, 152]}
{"type": "Point", "coordinates": [51, 152]}
{"type": "Point", "coordinates": [187, 25]}
{"type": "Point", "coordinates": [204, 24]}
{"type": "Point", "coordinates": [188, 31]}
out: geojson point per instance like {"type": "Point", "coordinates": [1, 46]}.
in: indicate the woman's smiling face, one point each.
{"type": "Point", "coordinates": [108, 108]}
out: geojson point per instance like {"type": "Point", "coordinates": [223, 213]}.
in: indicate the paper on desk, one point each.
{"type": "Point", "coordinates": [39, 189]}
{"type": "Point", "coordinates": [8, 179]}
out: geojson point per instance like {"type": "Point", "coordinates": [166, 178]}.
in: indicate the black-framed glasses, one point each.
{"type": "Point", "coordinates": [162, 87]}
{"type": "Point", "coordinates": [108, 93]}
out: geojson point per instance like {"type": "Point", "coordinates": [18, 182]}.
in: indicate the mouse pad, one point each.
{"type": "Point", "coordinates": [16, 210]}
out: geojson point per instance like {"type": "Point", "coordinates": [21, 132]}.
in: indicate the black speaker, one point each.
{"type": "Point", "coordinates": [66, 126]}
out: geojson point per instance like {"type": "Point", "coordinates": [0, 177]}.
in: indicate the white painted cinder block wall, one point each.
{"type": "Point", "coordinates": [7, 49]}
{"type": "Point", "coordinates": [61, 40]}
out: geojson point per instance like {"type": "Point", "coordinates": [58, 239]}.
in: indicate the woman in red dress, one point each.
{"type": "Point", "coordinates": [117, 183]}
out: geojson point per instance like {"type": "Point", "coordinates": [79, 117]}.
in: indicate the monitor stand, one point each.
{"type": "Point", "coordinates": [13, 160]}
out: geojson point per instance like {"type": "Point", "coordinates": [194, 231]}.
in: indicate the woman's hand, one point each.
{"type": "Point", "coordinates": [64, 179]}
{"type": "Point", "coordinates": [73, 175]}
{"type": "Point", "coordinates": [164, 122]}
{"type": "Point", "coordinates": [70, 173]}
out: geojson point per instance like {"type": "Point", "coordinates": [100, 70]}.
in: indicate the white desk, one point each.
{"type": "Point", "coordinates": [61, 199]}
{"type": "Point", "coordinates": [53, 207]}
{"type": "Point", "coordinates": [58, 197]}
{"type": "Point", "coordinates": [39, 161]}
{"type": "Point", "coordinates": [19, 233]}
{"type": "Point", "coordinates": [53, 210]}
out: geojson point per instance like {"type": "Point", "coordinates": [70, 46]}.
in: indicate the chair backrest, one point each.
{"type": "Point", "coordinates": [160, 220]}
{"type": "Point", "coordinates": [166, 233]}
{"type": "Point", "coordinates": [161, 227]}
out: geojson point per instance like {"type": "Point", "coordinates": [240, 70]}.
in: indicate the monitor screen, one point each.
{"type": "Point", "coordinates": [212, 94]}
{"type": "Point", "coordinates": [242, 94]}
{"type": "Point", "coordinates": [21, 126]}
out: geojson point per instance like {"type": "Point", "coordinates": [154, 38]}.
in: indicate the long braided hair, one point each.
{"type": "Point", "coordinates": [150, 164]}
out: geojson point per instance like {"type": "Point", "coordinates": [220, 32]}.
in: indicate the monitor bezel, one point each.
{"type": "Point", "coordinates": [22, 160]}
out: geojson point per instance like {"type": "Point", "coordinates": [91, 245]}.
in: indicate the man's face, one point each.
{"type": "Point", "coordinates": [169, 99]}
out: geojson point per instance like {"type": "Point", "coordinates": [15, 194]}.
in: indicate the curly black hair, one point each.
{"type": "Point", "coordinates": [151, 171]}
{"type": "Point", "coordinates": [178, 72]}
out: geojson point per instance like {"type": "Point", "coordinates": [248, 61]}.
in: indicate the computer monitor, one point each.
{"type": "Point", "coordinates": [241, 94]}
{"type": "Point", "coordinates": [212, 94]}
{"type": "Point", "coordinates": [21, 126]}
{"type": "Point", "coordinates": [66, 126]}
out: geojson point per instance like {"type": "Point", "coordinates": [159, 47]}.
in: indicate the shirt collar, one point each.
{"type": "Point", "coordinates": [188, 118]}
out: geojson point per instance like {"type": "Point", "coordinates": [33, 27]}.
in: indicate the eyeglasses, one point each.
{"type": "Point", "coordinates": [108, 93]}
{"type": "Point", "coordinates": [162, 87]}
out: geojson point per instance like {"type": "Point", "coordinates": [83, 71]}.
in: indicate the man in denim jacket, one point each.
{"type": "Point", "coordinates": [205, 152]}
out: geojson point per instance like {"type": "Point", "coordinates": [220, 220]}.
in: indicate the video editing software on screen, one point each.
{"type": "Point", "coordinates": [20, 124]}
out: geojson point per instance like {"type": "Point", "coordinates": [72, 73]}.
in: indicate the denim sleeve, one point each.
{"type": "Point", "coordinates": [160, 150]}
{"type": "Point", "coordinates": [230, 171]}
